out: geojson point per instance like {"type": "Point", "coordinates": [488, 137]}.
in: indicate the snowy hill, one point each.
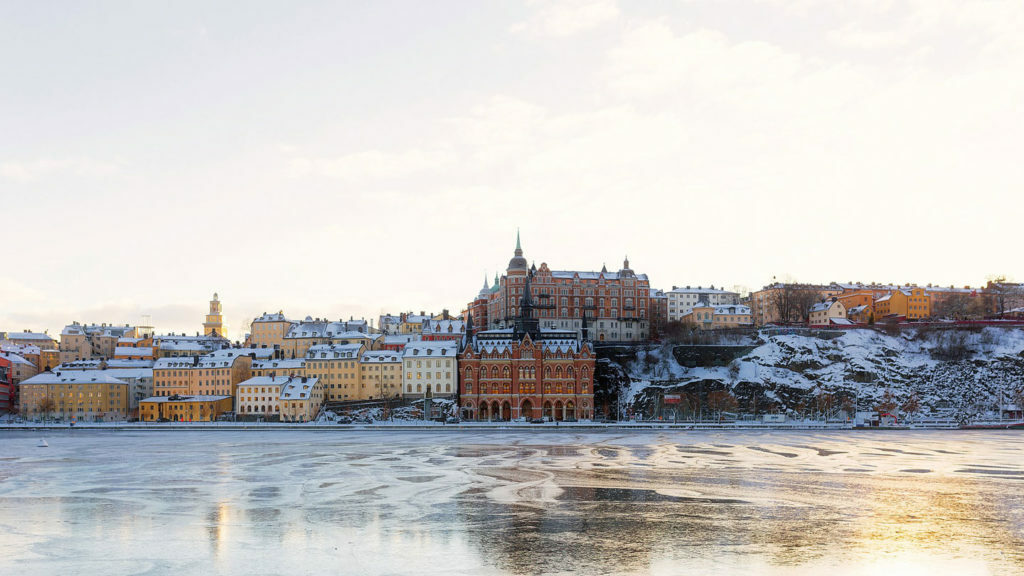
{"type": "Point", "coordinates": [963, 372]}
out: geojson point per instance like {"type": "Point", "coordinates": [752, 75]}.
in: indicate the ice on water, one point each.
{"type": "Point", "coordinates": [497, 502]}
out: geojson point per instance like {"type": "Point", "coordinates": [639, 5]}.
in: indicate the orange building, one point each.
{"type": "Point", "coordinates": [910, 303]}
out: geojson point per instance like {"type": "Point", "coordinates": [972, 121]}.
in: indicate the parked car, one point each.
{"type": "Point", "coordinates": [452, 420]}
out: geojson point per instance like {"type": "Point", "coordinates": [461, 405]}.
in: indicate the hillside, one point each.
{"type": "Point", "coordinates": [959, 372]}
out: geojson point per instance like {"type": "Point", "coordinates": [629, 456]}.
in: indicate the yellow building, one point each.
{"type": "Point", "coordinates": [380, 374]}
{"type": "Point", "coordinates": [216, 374]}
{"type": "Point", "coordinates": [282, 368]}
{"type": "Point", "coordinates": [719, 317]}
{"type": "Point", "coordinates": [770, 304]}
{"type": "Point", "coordinates": [269, 330]}
{"type": "Point", "coordinates": [911, 303]}
{"type": "Point", "coordinates": [337, 367]}
{"type": "Point", "coordinates": [823, 313]}
{"type": "Point", "coordinates": [214, 325]}
{"type": "Point", "coordinates": [83, 396]}
{"type": "Point", "coordinates": [178, 408]}
{"type": "Point", "coordinates": [28, 338]}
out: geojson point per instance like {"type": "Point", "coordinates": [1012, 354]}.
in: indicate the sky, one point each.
{"type": "Point", "coordinates": [339, 159]}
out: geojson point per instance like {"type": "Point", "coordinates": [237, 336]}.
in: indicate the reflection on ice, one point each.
{"type": "Point", "coordinates": [523, 503]}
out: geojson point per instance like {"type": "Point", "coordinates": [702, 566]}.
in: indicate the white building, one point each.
{"type": "Point", "coordinates": [681, 300]}
{"type": "Point", "coordinates": [430, 366]}
{"type": "Point", "coordinates": [824, 314]}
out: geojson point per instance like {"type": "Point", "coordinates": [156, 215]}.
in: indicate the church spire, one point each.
{"type": "Point", "coordinates": [519, 248]}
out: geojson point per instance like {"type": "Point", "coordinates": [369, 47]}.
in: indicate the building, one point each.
{"type": "Point", "coordinates": [526, 371]}
{"type": "Point", "coordinates": [380, 374]}
{"type": "Point", "coordinates": [911, 303]}
{"type": "Point", "coordinates": [707, 317]}
{"type": "Point", "coordinates": [177, 408]}
{"type": "Point", "coordinates": [616, 304]}
{"type": "Point", "coordinates": [682, 299]}
{"type": "Point", "coordinates": [396, 342]}
{"type": "Point", "coordinates": [28, 338]}
{"type": "Point", "coordinates": [823, 313]}
{"type": "Point", "coordinates": [788, 303]}
{"type": "Point", "coordinates": [316, 332]}
{"type": "Point", "coordinates": [216, 374]}
{"type": "Point", "coordinates": [139, 378]}
{"type": "Point", "coordinates": [279, 367]}
{"type": "Point", "coordinates": [7, 389]}
{"type": "Point", "coordinates": [214, 324]}
{"type": "Point", "coordinates": [438, 330]}
{"type": "Point", "coordinates": [129, 348]}
{"type": "Point", "coordinates": [430, 367]}
{"type": "Point", "coordinates": [301, 400]}
{"type": "Point", "coordinates": [284, 398]}
{"type": "Point", "coordinates": [81, 395]}
{"type": "Point", "coordinates": [658, 312]}
{"type": "Point", "coordinates": [269, 330]}
{"type": "Point", "coordinates": [178, 346]}
{"type": "Point", "coordinates": [863, 315]}
{"type": "Point", "coordinates": [85, 341]}
{"type": "Point", "coordinates": [337, 367]}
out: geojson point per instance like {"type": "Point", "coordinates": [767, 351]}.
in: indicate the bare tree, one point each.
{"type": "Point", "coordinates": [824, 403]}
{"type": "Point", "coordinates": [721, 401]}
{"type": "Point", "coordinates": [912, 405]}
{"type": "Point", "coordinates": [887, 404]}
{"type": "Point", "coordinates": [792, 302]}
{"type": "Point", "coordinates": [46, 406]}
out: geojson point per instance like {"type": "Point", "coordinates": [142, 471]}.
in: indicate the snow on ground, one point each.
{"type": "Point", "coordinates": [970, 370]}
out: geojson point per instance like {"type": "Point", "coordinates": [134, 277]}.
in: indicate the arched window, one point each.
{"type": "Point", "coordinates": [505, 372]}
{"type": "Point", "coordinates": [568, 372]}
{"type": "Point", "coordinates": [419, 387]}
{"type": "Point", "coordinates": [558, 371]}
{"type": "Point", "coordinates": [547, 371]}
{"type": "Point", "coordinates": [469, 373]}
{"type": "Point", "coordinates": [494, 371]}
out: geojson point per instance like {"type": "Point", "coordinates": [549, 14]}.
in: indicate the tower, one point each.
{"type": "Point", "coordinates": [214, 325]}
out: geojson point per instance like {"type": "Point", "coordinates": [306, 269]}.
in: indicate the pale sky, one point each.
{"type": "Point", "coordinates": [342, 159]}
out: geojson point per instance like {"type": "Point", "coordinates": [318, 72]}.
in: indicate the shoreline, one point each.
{"type": "Point", "coordinates": [463, 427]}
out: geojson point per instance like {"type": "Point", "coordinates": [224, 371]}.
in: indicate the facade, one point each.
{"type": "Point", "coordinates": [214, 324]}
{"type": "Point", "coordinates": [27, 338]}
{"type": "Point", "coordinates": [396, 342]}
{"type": "Point", "coordinates": [823, 313]}
{"type": "Point", "coordinates": [337, 367]}
{"type": "Point", "coordinates": [139, 379]}
{"type": "Point", "coordinates": [430, 367]}
{"type": "Point", "coordinates": [79, 395]}
{"type": "Point", "coordinates": [863, 315]}
{"type": "Point", "coordinates": [380, 374]}
{"type": "Point", "coordinates": [682, 299]}
{"type": "Point", "coordinates": [269, 330]}
{"type": "Point", "coordinates": [286, 398]}
{"type": "Point", "coordinates": [216, 374]}
{"type": "Point", "coordinates": [86, 341]}
{"type": "Point", "coordinates": [7, 389]}
{"type": "Point", "coordinates": [616, 304]}
{"type": "Point", "coordinates": [658, 312]}
{"type": "Point", "coordinates": [179, 408]}
{"type": "Point", "coordinates": [316, 332]}
{"type": "Point", "coordinates": [279, 367]}
{"type": "Point", "coordinates": [179, 346]}
{"type": "Point", "coordinates": [707, 317]}
{"type": "Point", "coordinates": [912, 303]}
{"type": "Point", "coordinates": [526, 371]}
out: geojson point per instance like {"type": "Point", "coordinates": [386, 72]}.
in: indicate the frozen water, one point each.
{"type": "Point", "coordinates": [511, 502]}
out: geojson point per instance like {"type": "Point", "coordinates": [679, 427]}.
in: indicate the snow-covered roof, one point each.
{"type": "Point", "coordinates": [112, 363]}
{"type": "Point", "coordinates": [841, 322]}
{"type": "Point", "coordinates": [165, 399]}
{"type": "Point", "coordinates": [120, 373]}
{"type": "Point", "coordinates": [73, 377]}
{"type": "Point", "coordinates": [401, 338]}
{"type": "Point", "coordinates": [298, 388]}
{"type": "Point", "coordinates": [824, 306]}
{"type": "Point", "coordinates": [381, 357]}
{"type": "Point", "coordinates": [133, 351]}
{"type": "Point", "coordinates": [338, 330]}
{"type": "Point", "coordinates": [699, 290]}
{"type": "Point", "coordinates": [884, 298]}
{"type": "Point", "coordinates": [323, 351]}
{"type": "Point", "coordinates": [856, 310]}
{"type": "Point", "coordinates": [444, 327]}
{"type": "Point", "coordinates": [125, 340]}
{"type": "Point", "coordinates": [28, 336]}
{"type": "Point", "coordinates": [569, 274]}
{"type": "Point", "coordinates": [277, 317]}
{"type": "Point", "coordinates": [15, 359]}
{"type": "Point", "coordinates": [20, 348]}
{"type": "Point", "coordinates": [289, 364]}
{"type": "Point", "coordinates": [435, 348]}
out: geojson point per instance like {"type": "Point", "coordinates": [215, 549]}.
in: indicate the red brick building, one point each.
{"type": "Point", "coordinates": [526, 371]}
{"type": "Point", "coordinates": [616, 305]}
{"type": "Point", "coordinates": [7, 392]}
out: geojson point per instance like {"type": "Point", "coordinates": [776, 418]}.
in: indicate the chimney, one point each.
{"type": "Point", "coordinates": [303, 379]}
